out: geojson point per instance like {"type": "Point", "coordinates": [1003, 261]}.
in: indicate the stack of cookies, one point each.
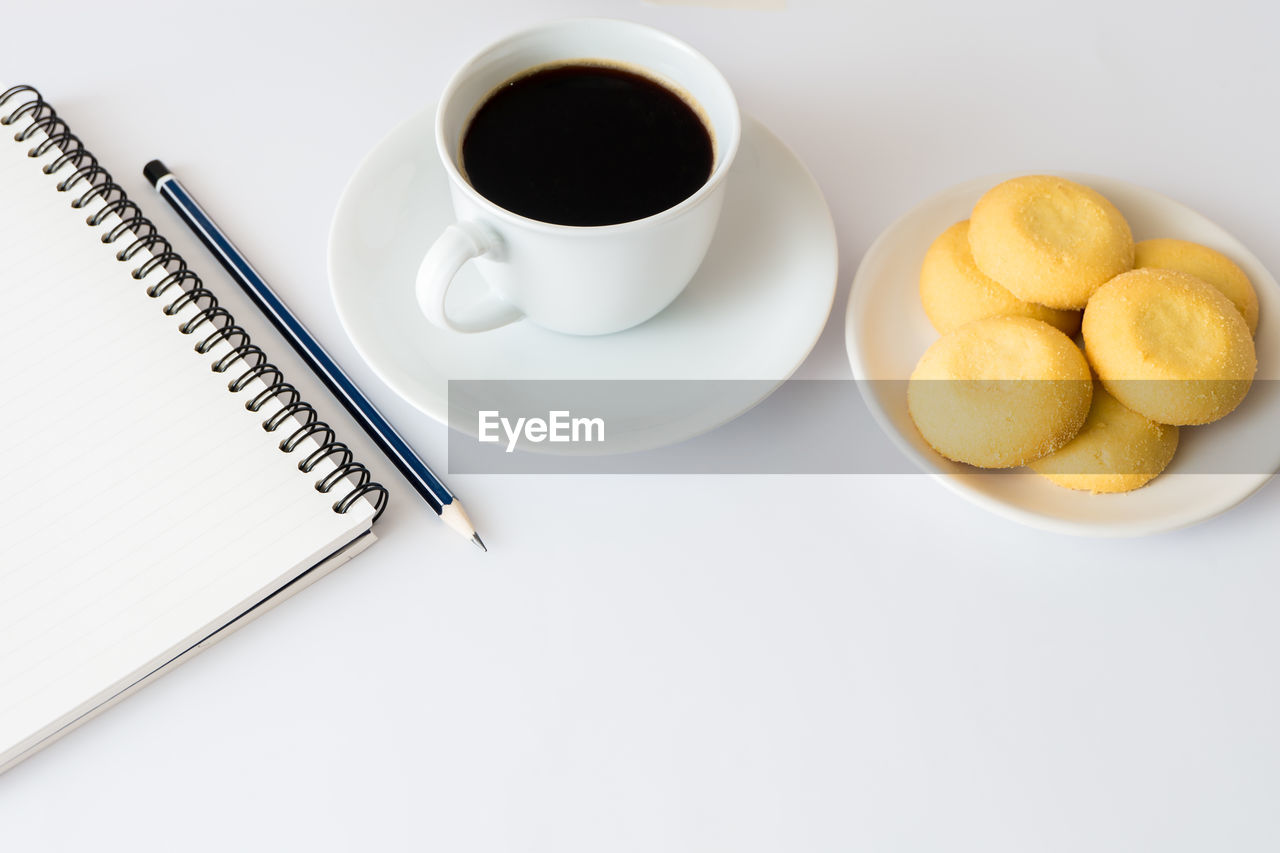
{"type": "Point", "coordinates": [1163, 339]}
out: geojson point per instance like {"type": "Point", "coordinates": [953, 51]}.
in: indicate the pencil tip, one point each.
{"type": "Point", "coordinates": [475, 537]}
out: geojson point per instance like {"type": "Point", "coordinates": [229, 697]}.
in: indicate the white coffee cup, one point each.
{"type": "Point", "coordinates": [583, 280]}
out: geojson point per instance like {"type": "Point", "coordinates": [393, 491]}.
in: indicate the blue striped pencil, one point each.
{"type": "Point", "coordinates": [417, 472]}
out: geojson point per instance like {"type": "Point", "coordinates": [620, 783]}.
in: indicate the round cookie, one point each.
{"type": "Point", "coordinates": [1000, 392]}
{"type": "Point", "coordinates": [954, 291]}
{"type": "Point", "coordinates": [1117, 450]}
{"type": "Point", "coordinates": [1169, 346]}
{"type": "Point", "coordinates": [1205, 264]}
{"type": "Point", "coordinates": [1049, 240]}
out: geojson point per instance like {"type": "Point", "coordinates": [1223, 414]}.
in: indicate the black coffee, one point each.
{"type": "Point", "coordinates": [584, 144]}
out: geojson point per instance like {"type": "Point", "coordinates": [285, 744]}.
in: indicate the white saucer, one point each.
{"type": "Point", "coordinates": [754, 310]}
{"type": "Point", "coordinates": [886, 332]}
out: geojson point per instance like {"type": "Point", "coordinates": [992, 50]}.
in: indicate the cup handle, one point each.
{"type": "Point", "coordinates": [458, 244]}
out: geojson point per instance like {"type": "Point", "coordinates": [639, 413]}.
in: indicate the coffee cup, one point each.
{"type": "Point", "coordinates": [583, 279]}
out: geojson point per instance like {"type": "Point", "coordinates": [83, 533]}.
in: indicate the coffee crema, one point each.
{"type": "Point", "coordinates": [586, 144]}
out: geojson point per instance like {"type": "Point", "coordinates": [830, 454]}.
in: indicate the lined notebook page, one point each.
{"type": "Point", "coordinates": [143, 506]}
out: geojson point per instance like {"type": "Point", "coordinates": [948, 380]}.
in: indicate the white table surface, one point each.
{"type": "Point", "coordinates": [692, 663]}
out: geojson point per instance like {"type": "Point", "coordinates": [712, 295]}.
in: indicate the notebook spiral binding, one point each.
{"type": "Point", "coordinates": [94, 181]}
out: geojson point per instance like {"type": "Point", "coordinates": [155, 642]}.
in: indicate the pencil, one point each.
{"type": "Point", "coordinates": [409, 464]}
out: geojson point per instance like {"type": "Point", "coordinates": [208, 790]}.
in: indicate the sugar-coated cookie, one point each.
{"type": "Point", "coordinates": [1169, 346]}
{"type": "Point", "coordinates": [1049, 240]}
{"type": "Point", "coordinates": [954, 291]}
{"type": "Point", "coordinates": [1203, 263]}
{"type": "Point", "coordinates": [1117, 450]}
{"type": "Point", "coordinates": [1000, 392]}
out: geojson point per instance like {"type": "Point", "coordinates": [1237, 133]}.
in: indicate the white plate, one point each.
{"type": "Point", "coordinates": [886, 332]}
{"type": "Point", "coordinates": [753, 311]}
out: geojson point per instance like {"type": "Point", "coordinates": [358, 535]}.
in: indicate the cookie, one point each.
{"type": "Point", "coordinates": [954, 291]}
{"type": "Point", "coordinates": [1117, 450]}
{"type": "Point", "coordinates": [1049, 240]}
{"type": "Point", "coordinates": [1169, 346]}
{"type": "Point", "coordinates": [1205, 264]}
{"type": "Point", "coordinates": [1000, 392]}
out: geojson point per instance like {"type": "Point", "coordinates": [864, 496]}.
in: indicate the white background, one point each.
{"type": "Point", "coordinates": [695, 663]}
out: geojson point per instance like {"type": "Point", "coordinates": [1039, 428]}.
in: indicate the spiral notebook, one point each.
{"type": "Point", "coordinates": [162, 482]}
